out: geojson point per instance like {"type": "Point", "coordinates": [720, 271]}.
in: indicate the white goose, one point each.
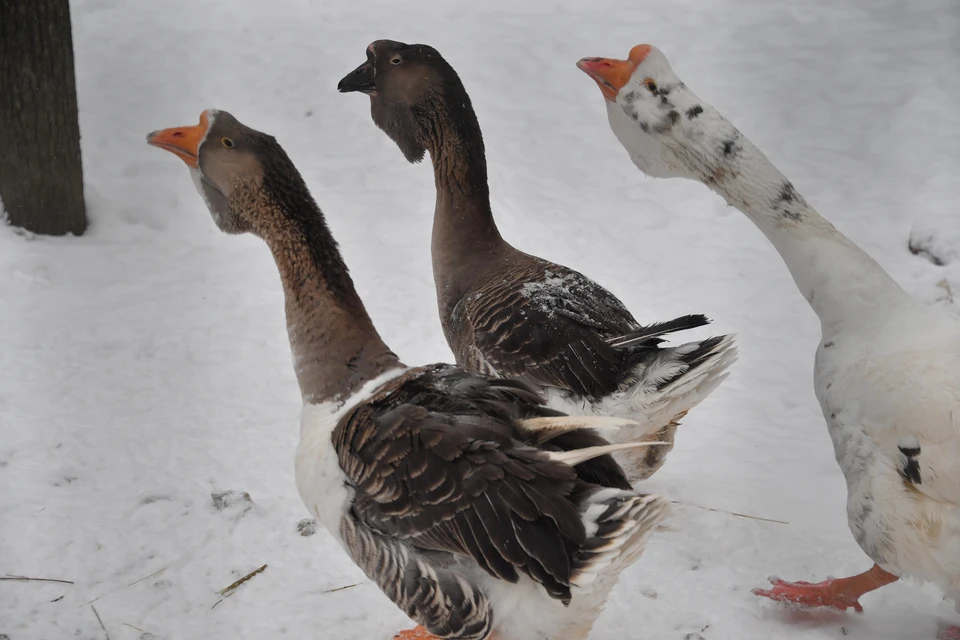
{"type": "Point", "coordinates": [887, 371]}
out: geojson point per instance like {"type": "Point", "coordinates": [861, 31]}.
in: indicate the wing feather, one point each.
{"type": "Point", "coordinates": [422, 479]}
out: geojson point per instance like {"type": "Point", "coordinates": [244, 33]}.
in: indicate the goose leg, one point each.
{"type": "Point", "coordinates": [417, 633]}
{"type": "Point", "coordinates": [840, 593]}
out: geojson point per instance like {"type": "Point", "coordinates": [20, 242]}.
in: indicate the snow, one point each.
{"type": "Point", "coordinates": [145, 368]}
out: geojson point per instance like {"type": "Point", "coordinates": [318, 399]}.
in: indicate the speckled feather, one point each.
{"type": "Point", "coordinates": [444, 482]}
{"type": "Point", "coordinates": [887, 368]}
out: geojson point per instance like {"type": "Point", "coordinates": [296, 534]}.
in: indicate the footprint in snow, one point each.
{"type": "Point", "coordinates": [237, 501]}
{"type": "Point", "coordinates": [307, 527]}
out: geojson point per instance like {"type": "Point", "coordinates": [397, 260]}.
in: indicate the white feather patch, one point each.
{"type": "Point", "coordinates": [578, 456]}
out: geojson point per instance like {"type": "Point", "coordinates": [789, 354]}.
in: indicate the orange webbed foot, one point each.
{"type": "Point", "coordinates": [417, 633]}
{"type": "Point", "coordinates": [950, 633]}
{"type": "Point", "coordinates": [808, 595]}
{"type": "Point", "coordinates": [840, 594]}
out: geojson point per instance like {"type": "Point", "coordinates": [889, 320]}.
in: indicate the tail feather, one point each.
{"type": "Point", "coordinates": [618, 523]}
{"type": "Point", "coordinates": [695, 354]}
{"type": "Point", "coordinates": [543, 429]}
{"type": "Point", "coordinates": [656, 329]}
{"type": "Point", "coordinates": [579, 456]}
{"type": "Point", "coordinates": [664, 391]}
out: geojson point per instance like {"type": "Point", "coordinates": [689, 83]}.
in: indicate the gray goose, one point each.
{"type": "Point", "coordinates": [511, 314]}
{"type": "Point", "coordinates": [476, 509]}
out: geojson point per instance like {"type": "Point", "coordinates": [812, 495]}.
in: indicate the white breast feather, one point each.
{"type": "Point", "coordinates": [320, 480]}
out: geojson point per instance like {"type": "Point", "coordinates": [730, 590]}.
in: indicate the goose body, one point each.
{"type": "Point", "coordinates": [887, 370]}
{"type": "Point", "coordinates": [511, 314]}
{"type": "Point", "coordinates": [427, 480]}
{"type": "Point", "coordinates": [555, 328]}
{"type": "Point", "coordinates": [890, 394]}
{"type": "Point", "coordinates": [479, 511]}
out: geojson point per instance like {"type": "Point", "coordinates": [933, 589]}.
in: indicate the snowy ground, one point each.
{"type": "Point", "coordinates": [145, 366]}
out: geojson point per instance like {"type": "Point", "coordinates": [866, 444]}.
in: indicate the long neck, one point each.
{"type": "Point", "coordinates": [839, 280]}
{"type": "Point", "coordinates": [463, 225]}
{"type": "Point", "coordinates": [335, 347]}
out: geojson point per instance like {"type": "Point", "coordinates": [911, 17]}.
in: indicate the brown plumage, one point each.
{"type": "Point", "coordinates": [505, 312]}
{"type": "Point", "coordinates": [438, 461]}
{"type": "Point", "coordinates": [426, 475]}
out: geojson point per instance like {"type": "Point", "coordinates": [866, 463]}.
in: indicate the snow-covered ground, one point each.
{"type": "Point", "coordinates": [145, 372]}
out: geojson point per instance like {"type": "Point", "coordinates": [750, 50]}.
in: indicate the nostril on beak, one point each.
{"type": "Point", "coordinates": [177, 134]}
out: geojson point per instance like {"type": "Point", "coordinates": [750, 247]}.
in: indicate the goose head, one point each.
{"type": "Point", "coordinates": [412, 89]}
{"type": "Point", "coordinates": [667, 130]}
{"type": "Point", "coordinates": [230, 164]}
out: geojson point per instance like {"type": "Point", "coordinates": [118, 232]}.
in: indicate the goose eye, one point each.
{"type": "Point", "coordinates": [651, 85]}
{"type": "Point", "coordinates": [227, 142]}
{"type": "Point", "coordinates": [395, 60]}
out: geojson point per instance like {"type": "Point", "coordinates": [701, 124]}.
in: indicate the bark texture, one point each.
{"type": "Point", "coordinates": [41, 175]}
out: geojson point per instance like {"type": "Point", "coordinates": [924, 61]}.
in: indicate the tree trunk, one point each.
{"type": "Point", "coordinates": [41, 176]}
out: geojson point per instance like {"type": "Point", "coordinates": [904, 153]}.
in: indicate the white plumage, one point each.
{"type": "Point", "coordinates": [887, 371]}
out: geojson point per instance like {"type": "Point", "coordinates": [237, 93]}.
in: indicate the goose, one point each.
{"type": "Point", "coordinates": [511, 314]}
{"type": "Point", "coordinates": [887, 370]}
{"type": "Point", "coordinates": [471, 505]}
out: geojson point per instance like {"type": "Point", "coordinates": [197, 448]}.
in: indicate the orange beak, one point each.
{"type": "Point", "coordinates": [611, 74]}
{"type": "Point", "coordinates": [183, 141]}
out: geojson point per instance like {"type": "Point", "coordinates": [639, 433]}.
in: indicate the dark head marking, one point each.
{"type": "Point", "coordinates": [728, 147]}
{"type": "Point", "coordinates": [787, 201]}
{"type": "Point", "coordinates": [667, 123]}
{"type": "Point", "coordinates": [787, 192]}
{"type": "Point", "coordinates": [694, 111]}
{"type": "Point", "coordinates": [631, 97]}
{"type": "Point", "coordinates": [791, 215]}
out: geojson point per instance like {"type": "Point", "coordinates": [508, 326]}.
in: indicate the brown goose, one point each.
{"type": "Point", "coordinates": [476, 509]}
{"type": "Point", "coordinates": [507, 313]}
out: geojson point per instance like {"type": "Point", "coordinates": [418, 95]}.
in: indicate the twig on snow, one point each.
{"type": "Point", "coordinates": [26, 579]}
{"type": "Point", "coordinates": [349, 586]}
{"type": "Point", "coordinates": [102, 626]}
{"type": "Point", "coordinates": [731, 513]}
{"type": "Point", "coordinates": [149, 576]}
{"type": "Point", "coordinates": [239, 582]}
{"type": "Point", "coordinates": [115, 589]}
